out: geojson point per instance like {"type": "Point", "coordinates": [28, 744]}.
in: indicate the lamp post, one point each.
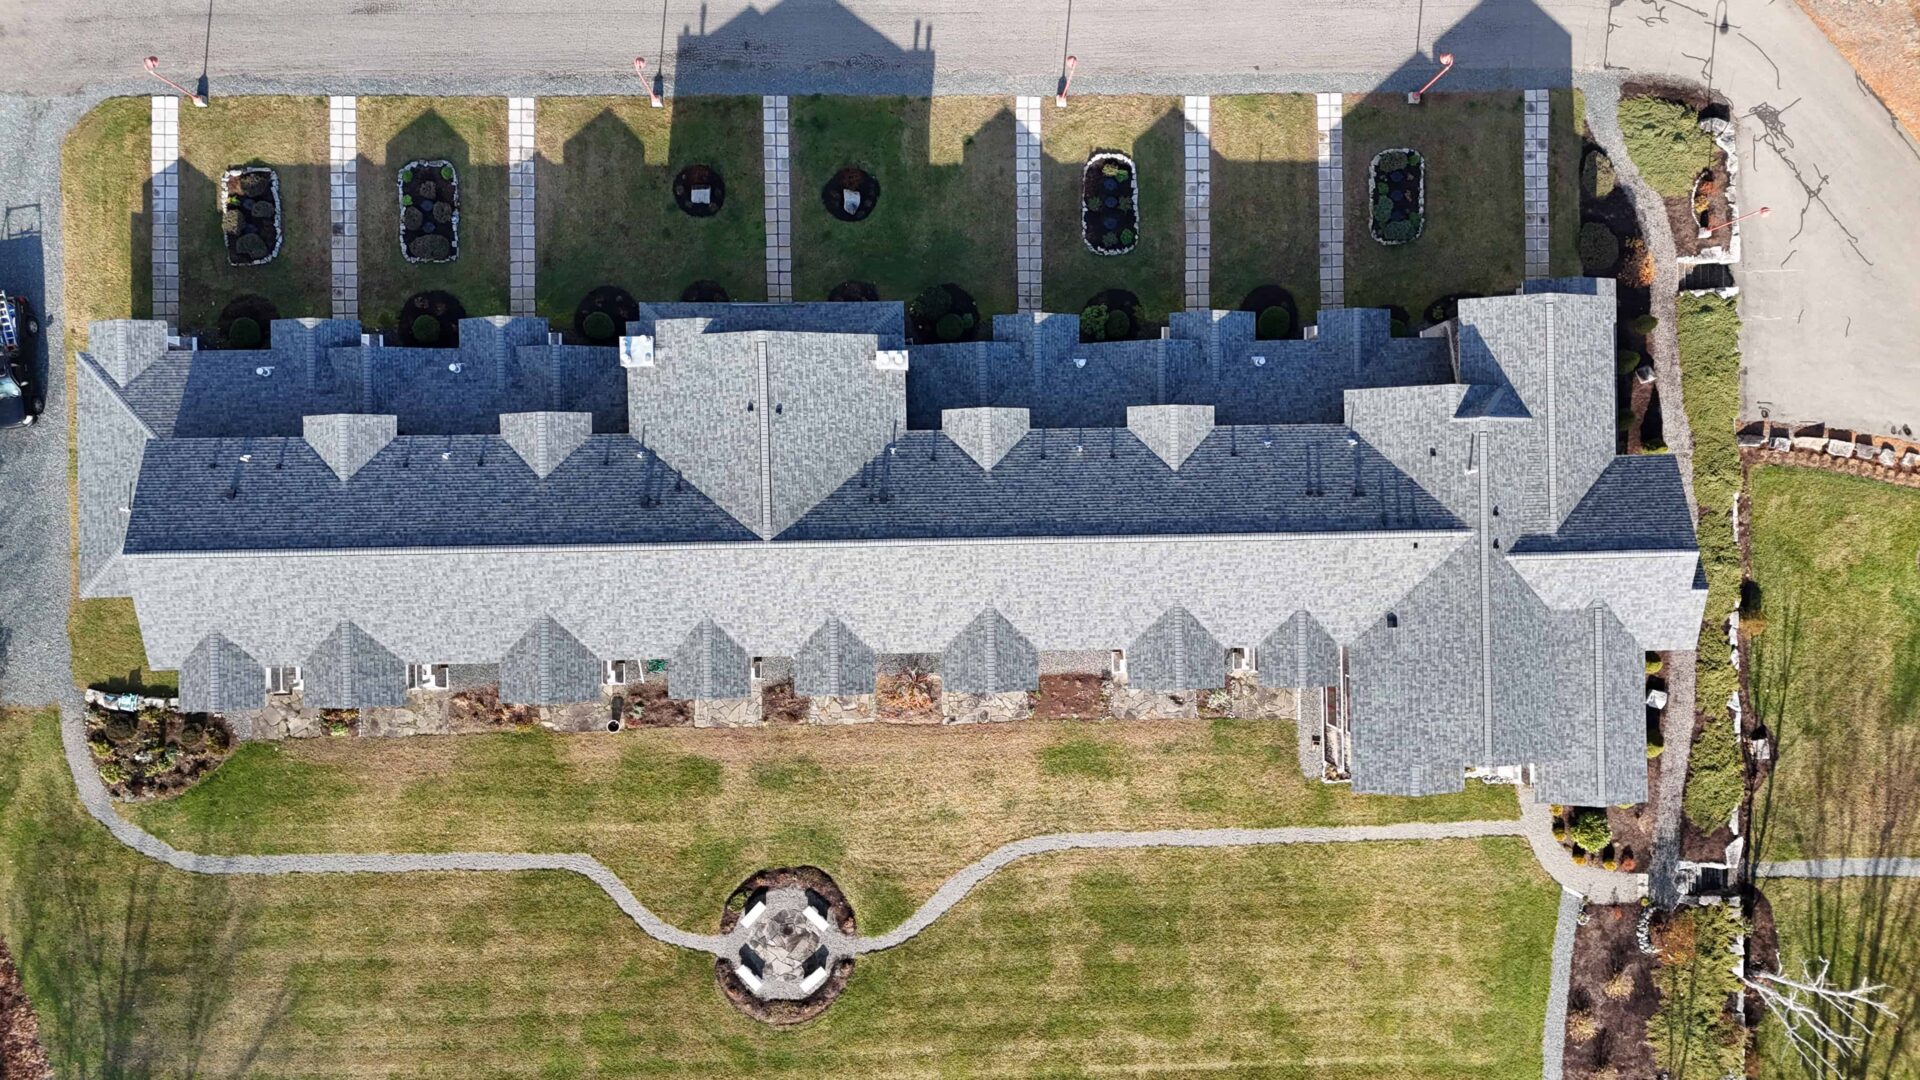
{"type": "Point", "coordinates": [653, 95]}
{"type": "Point", "coordinates": [153, 69]}
{"type": "Point", "coordinates": [1765, 211]}
{"type": "Point", "coordinates": [1446, 65]}
{"type": "Point", "coordinates": [1060, 99]}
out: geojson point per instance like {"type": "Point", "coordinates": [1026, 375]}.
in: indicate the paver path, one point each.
{"type": "Point", "coordinates": [1027, 207]}
{"type": "Point", "coordinates": [343, 146]}
{"type": "Point", "coordinates": [1329, 112]}
{"type": "Point", "coordinates": [1198, 112]}
{"type": "Point", "coordinates": [164, 160]}
{"type": "Point", "coordinates": [520, 203]}
{"type": "Point", "coordinates": [775, 152]}
{"type": "Point", "coordinates": [1533, 164]}
{"type": "Point", "coordinates": [1839, 868]}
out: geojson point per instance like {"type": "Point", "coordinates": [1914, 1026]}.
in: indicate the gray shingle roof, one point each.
{"type": "Point", "coordinates": [1599, 693]}
{"type": "Point", "coordinates": [110, 458]}
{"type": "Point", "coordinates": [986, 434]}
{"type": "Point", "coordinates": [124, 348]}
{"type": "Point", "coordinates": [833, 663]}
{"type": "Point", "coordinates": [549, 666]}
{"type": "Point", "coordinates": [347, 441]}
{"type": "Point", "coordinates": [350, 670]}
{"type": "Point", "coordinates": [1176, 653]}
{"type": "Point", "coordinates": [1172, 432]}
{"type": "Point", "coordinates": [217, 676]}
{"type": "Point", "coordinates": [990, 656]}
{"type": "Point", "coordinates": [708, 663]}
{"type": "Point", "coordinates": [1299, 654]}
{"type": "Point", "coordinates": [545, 439]}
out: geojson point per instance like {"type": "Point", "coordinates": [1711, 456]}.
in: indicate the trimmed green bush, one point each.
{"type": "Point", "coordinates": [443, 211]}
{"type": "Point", "coordinates": [1599, 248]}
{"type": "Point", "coordinates": [1110, 240]}
{"type": "Point", "coordinates": [1666, 143]}
{"type": "Point", "coordinates": [1382, 210]}
{"type": "Point", "coordinates": [1399, 328]}
{"type": "Point", "coordinates": [428, 190]}
{"type": "Point", "coordinates": [262, 210]}
{"type": "Point", "coordinates": [1119, 325]}
{"type": "Point", "coordinates": [1273, 324]}
{"type": "Point", "coordinates": [1597, 179]}
{"type": "Point", "coordinates": [1643, 324]}
{"type": "Point", "coordinates": [1093, 323]}
{"type": "Point", "coordinates": [949, 327]}
{"type": "Point", "coordinates": [1393, 159]}
{"type": "Point", "coordinates": [243, 333]}
{"type": "Point", "coordinates": [933, 302]}
{"type": "Point", "coordinates": [250, 246]}
{"type": "Point", "coordinates": [433, 246]}
{"type": "Point", "coordinates": [598, 326]}
{"type": "Point", "coordinates": [1628, 360]}
{"type": "Point", "coordinates": [411, 218]}
{"type": "Point", "coordinates": [1590, 830]}
{"type": "Point", "coordinates": [426, 329]}
{"type": "Point", "coordinates": [1126, 237]}
{"type": "Point", "coordinates": [446, 172]}
{"type": "Point", "coordinates": [1094, 202]}
{"type": "Point", "coordinates": [1398, 232]}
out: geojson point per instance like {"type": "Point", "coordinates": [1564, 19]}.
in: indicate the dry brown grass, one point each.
{"type": "Point", "coordinates": [1151, 130]}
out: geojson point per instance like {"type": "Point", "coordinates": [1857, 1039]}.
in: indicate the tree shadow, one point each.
{"type": "Point", "coordinates": [800, 47]}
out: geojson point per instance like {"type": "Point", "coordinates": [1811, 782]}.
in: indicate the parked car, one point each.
{"type": "Point", "coordinates": [18, 327]}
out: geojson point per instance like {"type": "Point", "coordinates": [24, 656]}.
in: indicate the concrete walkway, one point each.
{"type": "Point", "coordinates": [520, 203]}
{"type": "Point", "coordinates": [1533, 164]}
{"type": "Point", "coordinates": [775, 149]}
{"type": "Point", "coordinates": [1329, 114]}
{"type": "Point", "coordinates": [1889, 867]}
{"type": "Point", "coordinates": [164, 207]}
{"type": "Point", "coordinates": [343, 146]}
{"type": "Point", "coordinates": [1198, 115]}
{"type": "Point", "coordinates": [1027, 205]}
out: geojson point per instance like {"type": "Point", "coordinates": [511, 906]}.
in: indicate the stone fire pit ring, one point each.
{"type": "Point", "coordinates": [789, 945]}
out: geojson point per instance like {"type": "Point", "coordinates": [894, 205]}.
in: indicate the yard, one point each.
{"type": "Point", "coordinates": [1424, 960]}
{"type": "Point", "coordinates": [1266, 199]}
{"type": "Point", "coordinates": [1151, 131]}
{"type": "Point", "coordinates": [1568, 126]}
{"type": "Point", "coordinates": [1472, 238]}
{"type": "Point", "coordinates": [471, 134]}
{"type": "Point", "coordinates": [288, 134]}
{"type": "Point", "coordinates": [1870, 930]}
{"type": "Point", "coordinates": [607, 214]}
{"type": "Point", "coordinates": [945, 212]}
{"type": "Point", "coordinates": [683, 814]}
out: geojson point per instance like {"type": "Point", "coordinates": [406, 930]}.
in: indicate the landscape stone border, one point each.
{"type": "Point", "coordinates": [400, 191]}
{"type": "Point", "coordinates": [1419, 201]}
{"type": "Point", "coordinates": [1111, 157]}
{"type": "Point", "coordinates": [220, 204]}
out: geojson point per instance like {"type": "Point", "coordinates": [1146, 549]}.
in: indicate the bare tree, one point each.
{"type": "Point", "coordinates": [1826, 1024]}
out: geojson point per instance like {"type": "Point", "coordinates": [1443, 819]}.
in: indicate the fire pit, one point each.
{"type": "Point", "coordinates": [789, 945]}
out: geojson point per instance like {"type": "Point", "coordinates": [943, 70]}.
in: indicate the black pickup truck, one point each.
{"type": "Point", "coordinates": [19, 405]}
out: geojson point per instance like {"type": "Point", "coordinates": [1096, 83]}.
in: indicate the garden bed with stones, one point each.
{"type": "Point", "coordinates": [1610, 997]}
{"type": "Point", "coordinates": [908, 695]}
{"type": "Point", "coordinates": [154, 752]}
{"type": "Point", "coordinates": [1399, 183]}
{"type": "Point", "coordinates": [649, 706]}
{"type": "Point", "coordinates": [250, 214]}
{"type": "Point", "coordinates": [1109, 203]}
{"type": "Point", "coordinates": [1114, 315]}
{"type": "Point", "coordinates": [1071, 697]}
{"type": "Point", "coordinates": [1708, 208]}
{"type": "Point", "coordinates": [429, 193]}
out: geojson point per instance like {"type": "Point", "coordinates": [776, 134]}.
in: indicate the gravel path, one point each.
{"type": "Point", "coordinates": [1553, 1035]}
{"type": "Point", "coordinates": [1839, 868]}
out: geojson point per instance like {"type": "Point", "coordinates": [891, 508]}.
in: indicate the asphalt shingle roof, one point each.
{"type": "Point", "coordinates": [221, 677]}
{"type": "Point", "coordinates": [990, 656]}
{"type": "Point", "coordinates": [350, 670]}
{"type": "Point", "coordinates": [708, 663]}
{"type": "Point", "coordinates": [833, 662]}
{"type": "Point", "coordinates": [1176, 653]}
{"type": "Point", "coordinates": [549, 666]}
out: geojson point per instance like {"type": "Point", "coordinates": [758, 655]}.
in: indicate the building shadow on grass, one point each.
{"type": "Point", "coordinates": [478, 277]}
{"type": "Point", "coordinates": [297, 282]}
{"type": "Point", "coordinates": [800, 47]}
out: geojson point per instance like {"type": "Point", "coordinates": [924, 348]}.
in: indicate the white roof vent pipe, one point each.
{"type": "Point", "coordinates": [636, 351]}
{"type": "Point", "coordinates": [890, 360]}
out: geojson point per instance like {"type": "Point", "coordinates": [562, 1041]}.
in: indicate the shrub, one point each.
{"type": "Point", "coordinates": [1666, 143]}
{"type": "Point", "coordinates": [1273, 324]}
{"type": "Point", "coordinates": [1581, 1026]}
{"type": "Point", "coordinates": [1655, 663]}
{"type": "Point", "coordinates": [433, 246]}
{"type": "Point", "coordinates": [933, 302]}
{"type": "Point", "coordinates": [243, 333]}
{"type": "Point", "coordinates": [1628, 361]}
{"type": "Point", "coordinates": [1119, 325]}
{"type": "Point", "coordinates": [1636, 267]}
{"type": "Point", "coordinates": [1620, 987]}
{"type": "Point", "coordinates": [446, 172]}
{"type": "Point", "coordinates": [1126, 237]}
{"type": "Point", "coordinates": [1609, 865]}
{"type": "Point", "coordinates": [406, 175]}
{"type": "Point", "coordinates": [1599, 248]}
{"type": "Point", "coordinates": [250, 246]}
{"type": "Point", "coordinates": [1382, 210]}
{"type": "Point", "coordinates": [443, 211]}
{"type": "Point", "coordinates": [411, 218]}
{"type": "Point", "coordinates": [1093, 323]}
{"type": "Point", "coordinates": [427, 190]}
{"type": "Point", "coordinates": [255, 185]}
{"type": "Point", "coordinates": [1094, 202]}
{"type": "Point", "coordinates": [406, 200]}
{"type": "Point", "coordinates": [949, 327]}
{"type": "Point", "coordinates": [1692, 1031]}
{"type": "Point", "coordinates": [1109, 240]}
{"type": "Point", "coordinates": [1398, 327]}
{"type": "Point", "coordinates": [426, 329]}
{"type": "Point", "coordinates": [1589, 829]}
{"type": "Point", "coordinates": [1380, 188]}
{"type": "Point", "coordinates": [1393, 159]}
{"type": "Point", "coordinates": [598, 326]}
{"type": "Point", "coordinates": [262, 210]}
{"type": "Point", "coordinates": [1398, 232]}
{"type": "Point", "coordinates": [1643, 324]}
{"type": "Point", "coordinates": [1597, 180]}
{"type": "Point", "coordinates": [232, 220]}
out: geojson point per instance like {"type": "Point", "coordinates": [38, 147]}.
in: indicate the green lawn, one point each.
{"type": "Point", "coordinates": [472, 134]}
{"type": "Point", "coordinates": [107, 650]}
{"type": "Point", "coordinates": [946, 207]}
{"type": "Point", "coordinates": [1474, 236]}
{"type": "Point", "coordinates": [1423, 960]}
{"type": "Point", "coordinates": [1266, 199]}
{"type": "Point", "coordinates": [1568, 128]}
{"type": "Point", "coordinates": [683, 815]}
{"type": "Point", "coordinates": [605, 193]}
{"type": "Point", "coordinates": [1151, 130]}
{"type": "Point", "coordinates": [1837, 668]}
{"type": "Point", "coordinates": [288, 134]}
{"type": "Point", "coordinates": [1870, 930]}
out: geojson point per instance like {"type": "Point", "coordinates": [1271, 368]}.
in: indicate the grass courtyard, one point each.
{"type": "Point", "coordinates": [606, 212]}
{"type": "Point", "coordinates": [683, 815]}
{"type": "Point", "coordinates": [1380, 960]}
{"type": "Point", "coordinates": [1473, 241]}
{"type": "Point", "coordinates": [471, 134]}
{"type": "Point", "coordinates": [1150, 130]}
{"type": "Point", "coordinates": [946, 206]}
{"type": "Point", "coordinates": [1870, 930]}
{"type": "Point", "coordinates": [1266, 199]}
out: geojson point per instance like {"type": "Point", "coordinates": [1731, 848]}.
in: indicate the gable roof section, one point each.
{"type": "Point", "coordinates": [1651, 593]}
{"type": "Point", "coordinates": [1414, 686]}
{"type": "Point", "coordinates": [1299, 654]}
{"type": "Point", "coordinates": [112, 441]}
{"type": "Point", "coordinates": [1599, 693]}
{"type": "Point", "coordinates": [833, 663]}
{"type": "Point", "coordinates": [1172, 432]}
{"type": "Point", "coordinates": [347, 441]}
{"type": "Point", "coordinates": [124, 348]}
{"type": "Point", "coordinates": [1637, 504]}
{"type": "Point", "coordinates": [1176, 653]}
{"type": "Point", "coordinates": [989, 657]}
{"type": "Point", "coordinates": [549, 666]}
{"type": "Point", "coordinates": [709, 664]}
{"type": "Point", "coordinates": [545, 439]}
{"type": "Point", "coordinates": [986, 434]}
{"type": "Point", "coordinates": [350, 670]}
{"type": "Point", "coordinates": [221, 677]}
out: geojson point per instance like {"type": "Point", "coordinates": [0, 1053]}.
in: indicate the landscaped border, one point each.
{"type": "Point", "coordinates": [448, 174]}
{"type": "Point", "coordinates": [1419, 213]}
{"type": "Point", "coordinates": [279, 229]}
{"type": "Point", "coordinates": [1122, 163]}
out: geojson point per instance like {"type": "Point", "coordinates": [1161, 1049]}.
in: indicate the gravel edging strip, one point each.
{"type": "Point", "coordinates": [1867, 867]}
{"type": "Point", "coordinates": [1553, 1037]}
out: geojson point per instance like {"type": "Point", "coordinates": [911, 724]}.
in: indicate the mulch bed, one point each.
{"type": "Point", "coordinates": [443, 307]}
{"type": "Point", "coordinates": [928, 315]}
{"type": "Point", "coordinates": [1119, 300]}
{"type": "Point", "coordinates": [21, 1055]}
{"type": "Point", "coordinates": [1071, 697]}
{"type": "Point", "coordinates": [854, 292]}
{"type": "Point", "coordinates": [252, 208]}
{"type": "Point", "coordinates": [780, 705]}
{"type": "Point", "coordinates": [1271, 296]}
{"type": "Point", "coordinates": [430, 212]}
{"type": "Point", "coordinates": [1398, 213]}
{"type": "Point", "coordinates": [908, 696]}
{"type": "Point", "coordinates": [1109, 203]}
{"type": "Point", "coordinates": [258, 308]}
{"type": "Point", "coordinates": [839, 911]}
{"type": "Point", "coordinates": [154, 753]}
{"type": "Point", "coordinates": [649, 706]}
{"type": "Point", "coordinates": [833, 195]}
{"type": "Point", "coordinates": [1680, 215]}
{"type": "Point", "coordinates": [1606, 952]}
{"type": "Point", "coordinates": [616, 303]}
{"type": "Point", "coordinates": [482, 707]}
{"type": "Point", "coordinates": [691, 179]}
{"type": "Point", "coordinates": [1684, 213]}
{"type": "Point", "coordinates": [704, 292]}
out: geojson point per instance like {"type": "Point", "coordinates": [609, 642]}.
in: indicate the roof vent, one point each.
{"type": "Point", "coordinates": [1259, 361]}
{"type": "Point", "coordinates": [264, 370]}
{"type": "Point", "coordinates": [1079, 361]}
{"type": "Point", "coordinates": [890, 360]}
{"type": "Point", "coordinates": [456, 367]}
{"type": "Point", "coordinates": [636, 351]}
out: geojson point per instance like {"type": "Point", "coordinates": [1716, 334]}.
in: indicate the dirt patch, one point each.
{"type": "Point", "coordinates": [780, 705]}
{"type": "Point", "coordinates": [1882, 42]}
{"type": "Point", "coordinates": [1632, 829]}
{"type": "Point", "coordinates": [651, 707]}
{"type": "Point", "coordinates": [1610, 998]}
{"type": "Point", "coordinates": [154, 753]}
{"type": "Point", "coordinates": [1071, 697]}
{"type": "Point", "coordinates": [21, 1055]}
{"type": "Point", "coordinates": [481, 708]}
{"type": "Point", "coordinates": [908, 696]}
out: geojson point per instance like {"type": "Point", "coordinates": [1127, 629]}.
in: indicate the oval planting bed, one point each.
{"type": "Point", "coordinates": [851, 194]}
{"type": "Point", "coordinates": [698, 190]}
{"type": "Point", "coordinates": [794, 958]}
{"type": "Point", "coordinates": [603, 316]}
{"type": "Point", "coordinates": [1399, 188]}
{"type": "Point", "coordinates": [1109, 203]}
{"type": "Point", "coordinates": [431, 320]}
{"type": "Point", "coordinates": [246, 323]}
{"type": "Point", "coordinates": [429, 211]}
{"type": "Point", "coordinates": [854, 292]}
{"type": "Point", "coordinates": [250, 214]}
{"type": "Point", "coordinates": [1275, 314]}
{"type": "Point", "coordinates": [941, 314]}
{"type": "Point", "coordinates": [1112, 315]}
{"type": "Point", "coordinates": [704, 292]}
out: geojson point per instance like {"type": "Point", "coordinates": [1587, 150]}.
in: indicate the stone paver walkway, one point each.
{"type": "Point", "coordinates": [1198, 112]}
{"type": "Point", "coordinates": [1887, 867]}
{"type": "Point", "coordinates": [164, 208]}
{"type": "Point", "coordinates": [520, 203]}
{"type": "Point", "coordinates": [1533, 159]}
{"type": "Point", "coordinates": [343, 152]}
{"type": "Point", "coordinates": [1026, 175]}
{"type": "Point", "coordinates": [775, 155]}
{"type": "Point", "coordinates": [1553, 1035]}
{"type": "Point", "coordinates": [1329, 112]}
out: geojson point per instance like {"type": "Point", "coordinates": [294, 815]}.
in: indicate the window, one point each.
{"type": "Point", "coordinates": [616, 673]}
{"type": "Point", "coordinates": [754, 669]}
{"type": "Point", "coordinates": [1240, 659]}
{"type": "Point", "coordinates": [1119, 663]}
{"type": "Point", "coordinates": [283, 680]}
{"type": "Point", "coordinates": [426, 676]}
